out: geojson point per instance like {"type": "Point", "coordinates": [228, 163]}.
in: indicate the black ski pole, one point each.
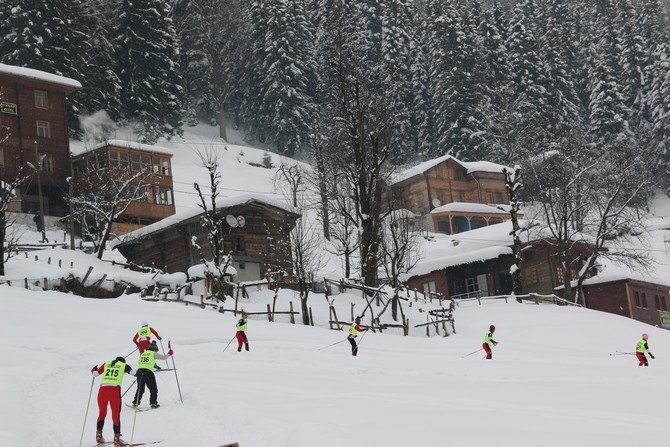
{"type": "Point", "coordinates": [473, 352]}
{"type": "Point", "coordinates": [131, 352]}
{"type": "Point", "coordinates": [129, 387]}
{"type": "Point", "coordinates": [231, 340]}
{"type": "Point", "coordinates": [623, 353]}
{"type": "Point", "coordinates": [333, 344]}
{"type": "Point", "coordinates": [175, 374]}
{"type": "Point", "coordinates": [86, 415]}
{"type": "Point", "coordinates": [163, 349]}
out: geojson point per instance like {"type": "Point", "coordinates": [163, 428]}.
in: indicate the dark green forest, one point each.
{"type": "Point", "coordinates": [479, 80]}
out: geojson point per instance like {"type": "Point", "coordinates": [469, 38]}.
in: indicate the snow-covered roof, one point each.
{"type": "Point", "coordinates": [442, 250]}
{"type": "Point", "coordinates": [38, 75]}
{"type": "Point", "coordinates": [470, 166]}
{"type": "Point", "coordinates": [222, 203]}
{"type": "Point", "coordinates": [464, 207]}
{"type": "Point", "coordinates": [130, 145]}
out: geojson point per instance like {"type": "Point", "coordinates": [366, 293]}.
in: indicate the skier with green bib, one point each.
{"type": "Point", "coordinates": [488, 341]}
{"type": "Point", "coordinates": [146, 376]}
{"type": "Point", "coordinates": [110, 394]}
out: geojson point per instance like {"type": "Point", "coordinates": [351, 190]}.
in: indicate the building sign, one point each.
{"type": "Point", "coordinates": [8, 107]}
{"type": "Point", "coordinates": [665, 319]}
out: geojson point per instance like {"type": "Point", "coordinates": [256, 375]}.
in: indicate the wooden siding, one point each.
{"type": "Point", "coordinates": [171, 247]}
{"type": "Point", "coordinates": [613, 297]}
{"type": "Point", "coordinates": [19, 149]}
{"type": "Point", "coordinates": [138, 213]}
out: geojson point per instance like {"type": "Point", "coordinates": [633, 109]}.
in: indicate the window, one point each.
{"type": "Point", "coordinates": [135, 163]}
{"type": "Point", "coordinates": [41, 99]}
{"type": "Point", "coordinates": [146, 163]}
{"type": "Point", "coordinates": [472, 285]}
{"type": "Point", "coordinates": [163, 196]}
{"type": "Point", "coordinates": [477, 222]}
{"type": "Point", "coordinates": [644, 300]}
{"type": "Point", "coordinates": [663, 304]}
{"type": "Point", "coordinates": [657, 302]}
{"type": "Point", "coordinates": [461, 196]}
{"type": "Point", "coordinates": [443, 226]}
{"type": "Point", "coordinates": [43, 129]}
{"type": "Point", "coordinates": [271, 245]}
{"type": "Point", "coordinates": [47, 163]}
{"type": "Point", "coordinates": [123, 160]}
{"type": "Point", "coordinates": [429, 288]}
{"type": "Point", "coordinates": [531, 276]}
{"type": "Point", "coordinates": [461, 224]}
{"type": "Point", "coordinates": [499, 197]}
{"type": "Point", "coordinates": [2, 158]}
{"type": "Point", "coordinates": [238, 244]}
{"type": "Point", "coordinates": [161, 166]}
{"type": "Point", "coordinates": [165, 166]}
{"type": "Point", "coordinates": [113, 159]}
{"type": "Point", "coordinates": [637, 300]}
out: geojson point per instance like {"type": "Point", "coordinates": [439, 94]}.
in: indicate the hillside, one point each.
{"type": "Point", "coordinates": [552, 381]}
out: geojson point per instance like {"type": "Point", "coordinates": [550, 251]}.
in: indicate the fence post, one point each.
{"type": "Point", "coordinates": [311, 317]}
{"type": "Point", "coordinates": [269, 313]}
{"type": "Point", "coordinates": [290, 305]}
{"type": "Point", "coordinates": [202, 300]}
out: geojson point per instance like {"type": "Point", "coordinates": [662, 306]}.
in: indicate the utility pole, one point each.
{"type": "Point", "coordinates": [38, 170]}
{"type": "Point", "coordinates": [69, 202]}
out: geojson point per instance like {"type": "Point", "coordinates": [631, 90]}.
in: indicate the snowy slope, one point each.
{"type": "Point", "coordinates": [552, 381]}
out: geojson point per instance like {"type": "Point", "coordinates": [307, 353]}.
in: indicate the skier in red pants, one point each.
{"type": "Point", "coordinates": [110, 394]}
{"type": "Point", "coordinates": [241, 333]}
{"type": "Point", "coordinates": [488, 341]}
{"type": "Point", "coordinates": [354, 329]}
{"type": "Point", "coordinates": [642, 347]}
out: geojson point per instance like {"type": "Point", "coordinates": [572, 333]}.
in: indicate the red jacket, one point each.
{"type": "Point", "coordinates": [136, 337]}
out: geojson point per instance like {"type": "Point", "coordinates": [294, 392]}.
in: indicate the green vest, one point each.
{"type": "Point", "coordinates": [113, 375]}
{"type": "Point", "coordinates": [487, 337]}
{"type": "Point", "coordinates": [147, 360]}
{"type": "Point", "coordinates": [145, 331]}
{"type": "Point", "coordinates": [241, 325]}
{"type": "Point", "coordinates": [641, 346]}
{"type": "Point", "coordinates": [352, 329]}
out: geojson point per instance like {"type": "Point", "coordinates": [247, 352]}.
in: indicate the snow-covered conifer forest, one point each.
{"type": "Point", "coordinates": [478, 79]}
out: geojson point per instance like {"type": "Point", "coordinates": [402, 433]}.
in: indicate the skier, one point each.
{"type": "Point", "coordinates": [488, 341]}
{"type": "Point", "coordinates": [642, 347]}
{"type": "Point", "coordinates": [354, 329]}
{"type": "Point", "coordinates": [110, 394]}
{"type": "Point", "coordinates": [145, 374]}
{"type": "Point", "coordinates": [241, 333]}
{"type": "Point", "coordinates": [143, 336]}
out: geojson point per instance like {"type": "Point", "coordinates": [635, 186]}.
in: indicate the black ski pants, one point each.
{"type": "Point", "coordinates": [146, 377]}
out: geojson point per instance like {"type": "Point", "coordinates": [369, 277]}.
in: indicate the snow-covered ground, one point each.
{"type": "Point", "coordinates": [552, 381]}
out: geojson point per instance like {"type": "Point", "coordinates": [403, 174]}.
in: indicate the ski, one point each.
{"type": "Point", "coordinates": [164, 369]}
{"type": "Point", "coordinates": [140, 408]}
{"type": "Point", "coordinates": [100, 444]}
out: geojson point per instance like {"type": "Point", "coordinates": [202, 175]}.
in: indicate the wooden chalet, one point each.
{"type": "Point", "coordinates": [260, 245]}
{"type": "Point", "coordinates": [126, 158]}
{"type": "Point", "coordinates": [477, 263]}
{"type": "Point", "coordinates": [428, 187]}
{"type": "Point", "coordinates": [33, 108]}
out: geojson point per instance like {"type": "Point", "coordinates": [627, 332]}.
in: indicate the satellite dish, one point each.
{"type": "Point", "coordinates": [231, 220]}
{"type": "Point", "coordinates": [436, 202]}
{"type": "Point", "coordinates": [241, 221]}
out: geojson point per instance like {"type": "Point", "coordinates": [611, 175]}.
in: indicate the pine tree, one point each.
{"type": "Point", "coordinates": [633, 57]}
{"type": "Point", "coordinates": [289, 76]}
{"type": "Point", "coordinates": [528, 77]}
{"type": "Point", "coordinates": [608, 113]}
{"type": "Point", "coordinates": [659, 102]}
{"type": "Point", "coordinates": [147, 55]}
{"type": "Point", "coordinates": [48, 36]}
{"type": "Point", "coordinates": [562, 100]}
